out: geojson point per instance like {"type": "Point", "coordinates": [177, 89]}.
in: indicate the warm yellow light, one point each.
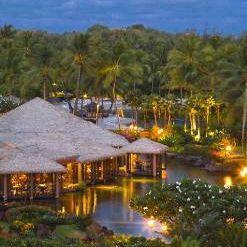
{"type": "Point", "coordinates": [151, 223]}
{"type": "Point", "coordinates": [135, 127]}
{"type": "Point", "coordinates": [131, 126]}
{"type": "Point", "coordinates": [243, 172]}
{"type": "Point", "coordinates": [85, 95]}
{"type": "Point", "coordinates": [197, 137]}
{"type": "Point", "coordinates": [164, 228]}
{"type": "Point", "coordinates": [227, 182]}
{"type": "Point", "coordinates": [160, 131]}
{"type": "Point", "coordinates": [54, 84]}
{"type": "Point", "coordinates": [228, 148]}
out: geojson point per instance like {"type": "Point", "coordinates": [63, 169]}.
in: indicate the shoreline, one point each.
{"type": "Point", "coordinates": [204, 163]}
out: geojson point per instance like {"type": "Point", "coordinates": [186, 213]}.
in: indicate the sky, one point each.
{"type": "Point", "coordinates": [223, 16]}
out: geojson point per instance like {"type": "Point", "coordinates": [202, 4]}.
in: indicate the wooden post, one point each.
{"type": "Point", "coordinates": [92, 172]}
{"type": "Point", "coordinates": [57, 186]}
{"type": "Point", "coordinates": [5, 187]}
{"type": "Point", "coordinates": [154, 165]}
{"type": "Point", "coordinates": [31, 186]}
{"type": "Point", "coordinates": [79, 166]}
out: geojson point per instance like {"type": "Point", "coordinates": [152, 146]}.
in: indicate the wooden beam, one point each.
{"type": "Point", "coordinates": [79, 171]}
{"type": "Point", "coordinates": [154, 165]}
{"type": "Point", "coordinates": [31, 186]}
{"type": "Point", "coordinates": [5, 187]}
{"type": "Point", "coordinates": [57, 189]}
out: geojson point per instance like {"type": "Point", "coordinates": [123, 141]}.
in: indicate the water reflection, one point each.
{"type": "Point", "coordinates": [109, 204]}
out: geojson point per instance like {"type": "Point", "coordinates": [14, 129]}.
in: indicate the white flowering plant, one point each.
{"type": "Point", "coordinates": [194, 208]}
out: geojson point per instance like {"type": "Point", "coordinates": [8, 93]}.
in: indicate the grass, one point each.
{"type": "Point", "coordinates": [69, 231]}
{"type": "Point", "coordinates": [4, 226]}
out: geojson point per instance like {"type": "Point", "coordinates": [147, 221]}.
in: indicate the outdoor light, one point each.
{"type": "Point", "coordinates": [227, 182]}
{"type": "Point", "coordinates": [84, 95]}
{"type": "Point", "coordinates": [160, 131]}
{"type": "Point", "coordinates": [228, 148]}
{"type": "Point", "coordinates": [243, 172]}
{"type": "Point", "coordinates": [164, 228]}
{"type": "Point", "coordinates": [151, 223]}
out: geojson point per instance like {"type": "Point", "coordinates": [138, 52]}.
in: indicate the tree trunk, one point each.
{"type": "Point", "coordinates": [207, 119]}
{"type": "Point", "coordinates": [181, 96]}
{"type": "Point", "coordinates": [136, 115]}
{"type": "Point", "coordinates": [77, 93]}
{"type": "Point", "coordinates": [218, 115]}
{"type": "Point", "coordinates": [155, 117]}
{"type": "Point", "coordinates": [115, 102]}
{"type": "Point", "coordinates": [45, 88]}
{"type": "Point", "coordinates": [244, 121]}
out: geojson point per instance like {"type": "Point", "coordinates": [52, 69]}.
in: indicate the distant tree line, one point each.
{"type": "Point", "coordinates": [205, 75]}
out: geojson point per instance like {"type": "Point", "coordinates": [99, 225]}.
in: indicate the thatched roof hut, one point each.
{"type": "Point", "coordinates": [37, 134]}
{"type": "Point", "coordinates": [40, 117]}
{"type": "Point", "coordinates": [145, 146]}
{"type": "Point", "coordinates": [21, 162]}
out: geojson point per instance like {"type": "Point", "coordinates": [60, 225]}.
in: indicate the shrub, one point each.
{"type": "Point", "coordinates": [194, 208]}
{"type": "Point", "coordinates": [30, 213]}
{"type": "Point", "coordinates": [198, 150]}
{"type": "Point", "coordinates": [22, 228]}
{"type": "Point", "coordinates": [174, 136]}
{"type": "Point", "coordinates": [127, 241]}
{"type": "Point", "coordinates": [233, 235]}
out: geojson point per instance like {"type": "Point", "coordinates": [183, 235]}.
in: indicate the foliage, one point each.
{"type": "Point", "coordinates": [195, 149]}
{"type": "Point", "coordinates": [28, 213]}
{"type": "Point", "coordinates": [194, 208]}
{"type": "Point", "coordinates": [130, 135]}
{"type": "Point", "coordinates": [25, 220]}
{"type": "Point", "coordinates": [172, 137]}
{"type": "Point", "coordinates": [127, 241]}
{"type": "Point", "coordinates": [6, 105]}
{"type": "Point", "coordinates": [233, 236]}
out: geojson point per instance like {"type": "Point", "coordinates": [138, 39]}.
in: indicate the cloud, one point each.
{"type": "Point", "coordinates": [225, 16]}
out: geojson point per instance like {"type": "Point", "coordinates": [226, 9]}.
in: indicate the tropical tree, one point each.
{"type": "Point", "coordinates": [80, 49]}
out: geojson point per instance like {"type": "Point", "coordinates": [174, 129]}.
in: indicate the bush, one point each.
{"type": "Point", "coordinates": [34, 242]}
{"type": "Point", "coordinates": [174, 136]}
{"type": "Point", "coordinates": [233, 235]}
{"type": "Point", "coordinates": [127, 241]}
{"type": "Point", "coordinates": [22, 228]}
{"type": "Point", "coordinates": [194, 208]}
{"type": "Point", "coordinates": [197, 150]}
{"type": "Point", "coordinates": [28, 213]}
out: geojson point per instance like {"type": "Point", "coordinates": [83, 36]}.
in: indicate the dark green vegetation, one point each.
{"type": "Point", "coordinates": [215, 216]}
{"type": "Point", "coordinates": [150, 69]}
{"type": "Point", "coordinates": [195, 83]}
{"type": "Point", "coordinates": [35, 226]}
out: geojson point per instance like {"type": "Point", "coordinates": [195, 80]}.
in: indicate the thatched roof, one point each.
{"type": "Point", "coordinates": [96, 153]}
{"type": "Point", "coordinates": [38, 131]}
{"type": "Point", "coordinates": [145, 146]}
{"type": "Point", "coordinates": [40, 117]}
{"type": "Point", "coordinates": [21, 162]}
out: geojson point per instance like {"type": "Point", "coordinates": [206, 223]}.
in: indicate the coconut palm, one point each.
{"type": "Point", "coordinates": [80, 49]}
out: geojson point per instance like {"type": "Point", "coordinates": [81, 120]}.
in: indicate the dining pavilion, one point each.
{"type": "Point", "coordinates": [145, 157]}
{"type": "Point", "coordinates": [45, 151]}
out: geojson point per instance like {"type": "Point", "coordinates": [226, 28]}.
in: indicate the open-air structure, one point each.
{"type": "Point", "coordinates": [45, 151]}
{"type": "Point", "coordinates": [145, 157]}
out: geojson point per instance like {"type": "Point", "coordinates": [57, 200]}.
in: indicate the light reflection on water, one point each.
{"type": "Point", "coordinates": [109, 204]}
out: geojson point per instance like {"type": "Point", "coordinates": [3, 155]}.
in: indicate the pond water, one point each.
{"type": "Point", "coordinates": [109, 204]}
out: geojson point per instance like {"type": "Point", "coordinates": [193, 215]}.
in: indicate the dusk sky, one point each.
{"type": "Point", "coordinates": [224, 16]}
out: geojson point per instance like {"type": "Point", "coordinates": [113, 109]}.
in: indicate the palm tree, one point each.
{"type": "Point", "coordinates": [236, 71]}
{"type": "Point", "coordinates": [119, 70]}
{"type": "Point", "coordinates": [81, 56]}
